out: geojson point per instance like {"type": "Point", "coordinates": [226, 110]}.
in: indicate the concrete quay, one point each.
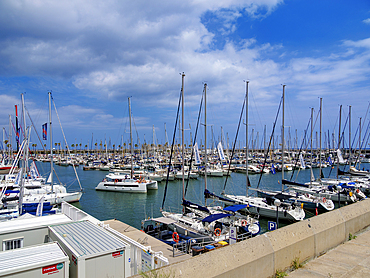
{"type": "Point", "coordinates": [264, 255]}
{"type": "Point", "coordinates": [146, 240]}
{"type": "Point", "coordinates": [350, 259]}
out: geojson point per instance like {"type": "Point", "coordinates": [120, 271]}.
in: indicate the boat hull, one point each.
{"type": "Point", "coordinates": [132, 187]}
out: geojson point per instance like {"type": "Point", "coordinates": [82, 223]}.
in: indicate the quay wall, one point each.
{"type": "Point", "coordinates": [261, 256]}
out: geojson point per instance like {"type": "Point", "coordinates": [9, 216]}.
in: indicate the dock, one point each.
{"type": "Point", "coordinates": [146, 240]}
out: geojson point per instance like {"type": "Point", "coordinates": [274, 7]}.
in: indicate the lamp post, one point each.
{"type": "Point", "coordinates": [277, 203]}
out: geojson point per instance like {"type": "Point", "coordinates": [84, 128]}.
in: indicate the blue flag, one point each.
{"type": "Point", "coordinates": [44, 131]}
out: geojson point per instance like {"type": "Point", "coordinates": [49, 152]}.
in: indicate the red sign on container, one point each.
{"type": "Point", "coordinates": [117, 254]}
{"type": "Point", "coordinates": [52, 268]}
{"type": "Point", "coordinates": [48, 269]}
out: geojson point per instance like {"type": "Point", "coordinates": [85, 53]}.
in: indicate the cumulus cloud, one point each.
{"type": "Point", "coordinates": [367, 21]}
{"type": "Point", "coordinates": [114, 49]}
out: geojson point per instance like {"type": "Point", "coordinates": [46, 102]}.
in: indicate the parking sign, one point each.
{"type": "Point", "coordinates": [271, 225]}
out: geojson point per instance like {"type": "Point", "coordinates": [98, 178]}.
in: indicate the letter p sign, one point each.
{"type": "Point", "coordinates": [271, 225]}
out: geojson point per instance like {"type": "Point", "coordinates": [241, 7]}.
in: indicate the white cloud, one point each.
{"type": "Point", "coordinates": [114, 49]}
{"type": "Point", "coordinates": [367, 21]}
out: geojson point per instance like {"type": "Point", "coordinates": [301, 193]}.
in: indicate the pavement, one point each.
{"type": "Point", "coordinates": [350, 259]}
{"type": "Point", "coordinates": [146, 240]}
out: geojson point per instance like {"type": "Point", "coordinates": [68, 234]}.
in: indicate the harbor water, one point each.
{"type": "Point", "coordinates": [131, 208]}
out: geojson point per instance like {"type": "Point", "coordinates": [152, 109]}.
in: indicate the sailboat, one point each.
{"type": "Point", "coordinates": [186, 224]}
{"type": "Point", "coordinates": [14, 198]}
{"type": "Point", "coordinates": [337, 190]}
{"type": "Point", "coordinates": [34, 190]}
{"type": "Point", "coordinates": [123, 182]}
{"type": "Point", "coordinates": [265, 207]}
{"type": "Point", "coordinates": [228, 216]}
{"type": "Point", "coordinates": [56, 194]}
{"type": "Point", "coordinates": [306, 200]}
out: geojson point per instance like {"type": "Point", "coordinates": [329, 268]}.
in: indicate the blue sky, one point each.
{"type": "Point", "coordinates": [93, 55]}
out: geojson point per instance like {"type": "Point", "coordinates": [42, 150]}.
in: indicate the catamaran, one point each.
{"type": "Point", "coordinates": [123, 182]}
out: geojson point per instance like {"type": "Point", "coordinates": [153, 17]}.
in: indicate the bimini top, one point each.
{"type": "Point", "coordinates": [235, 208]}
{"type": "Point", "coordinates": [86, 239]}
{"type": "Point", "coordinates": [214, 217]}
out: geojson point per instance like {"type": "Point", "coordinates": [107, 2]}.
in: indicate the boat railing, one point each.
{"type": "Point", "coordinates": [186, 246]}
{"type": "Point", "coordinates": [180, 248]}
{"type": "Point", "coordinates": [243, 236]}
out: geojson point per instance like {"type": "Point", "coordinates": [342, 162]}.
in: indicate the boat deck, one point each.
{"type": "Point", "coordinates": [146, 240]}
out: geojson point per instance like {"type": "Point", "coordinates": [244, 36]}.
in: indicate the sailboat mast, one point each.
{"type": "Point", "coordinates": [349, 138]}
{"type": "Point", "coordinates": [246, 136]}
{"type": "Point", "coordinates": [10, 136]}
{"type": "Point", "coordinates": [25, 137]}
{"type": "Point", "coordinates": [205, 139]}
{"type": "Point", "coordinates": [51, 146]}
{"type": "Point", "coordinates": [132, 160]}
{"type": "Point", "coordinates": [282, 141]}
{"type": "Point", "coordinates": [339, 130]}
{"type": "Point", "coordinates": [182, 135]}
{"type": "Point", "coordinates": [311, 146]}
{"type": "Point", "coordinates": [320, 135]}
{"type": "Point", "coordinates": [359, 145]}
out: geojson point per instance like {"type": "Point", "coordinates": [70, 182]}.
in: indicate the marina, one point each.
{"type": "Point", "coordinates": [115, 163]}
{"type": "Point", "coordinates": [122, 214]}
{"type": "Point", "coordinates": [131, 208]}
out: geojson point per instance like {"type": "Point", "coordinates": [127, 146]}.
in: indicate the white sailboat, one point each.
{"type": "Point", "coordinates": [257, 205]}
{"type": "Point", "coordinates": [123, 182]}
{"type": "Point", "coordinates": [35, 189]}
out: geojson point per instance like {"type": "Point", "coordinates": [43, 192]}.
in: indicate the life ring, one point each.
{"type": "Point", "coordinates": [115, 180]}
{"type": "Point", "coordinates": [244, 222]}
{"type": "Point", "coordinates": [324, 200]}
{"type": "Point", "coordinates": [357, 190]}
{"type": "Point", "coordinates": [175, 237]}
{"type": "Point", "coordinates": [217, 232]}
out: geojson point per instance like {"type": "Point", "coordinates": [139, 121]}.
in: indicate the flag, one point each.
{"type": "Point", "coordinates": [196, 153]}
{"type": "Point", "coordinates": [44, 131]}
{"type": "Point", "coordinates": [220, 151]}
{"type": "Point", "coordinates": [303, 165]}
{"type": "Point", "coordinates": [273, 169]}
{"type": "Point", "coordinates": [40, 206]}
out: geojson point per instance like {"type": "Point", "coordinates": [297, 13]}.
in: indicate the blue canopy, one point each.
{"type": "Point", "coordinates": [214, 217]}
{"type": "Point", "coordinates": [235, 208]}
